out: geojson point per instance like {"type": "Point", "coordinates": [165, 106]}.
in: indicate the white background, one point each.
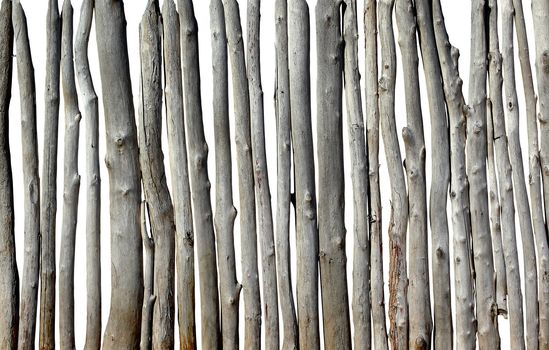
{"type": "Point", "coordinates": [458, 25]}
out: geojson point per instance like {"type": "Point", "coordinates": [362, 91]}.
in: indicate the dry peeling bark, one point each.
{"type": "Point", "coordinates": [71, 183]}
{"type": "Point", "coordinates": [200, 183]}
{"type": "Point", "coordinates": [122, 160]}
{"type": "Point", "coordinates": [250, 275]}
{"type": "Point", "coordinates": [419, 302]}
{"type": "Point", "coordinates": [48, 207]}
{"type": "Point", "coordinates": [93, 190]}
{"type": "Point", "coordinates": [304, 173]}
{"type": "Point", "coordinates": [440, 175]}
{"type": "Point", "coordinates": [9, 280]}
{"type": "Point", "coordinates": [155, 187]}
{"type": "Point", "coordinates": [496, 116]}
{"type": "Point", "coordinates": [459, 185]}
{"type": "Point", "coordinates": [398, 280]}
{"type": "Point", "coordinates": [359, 174]}
{"type": "Point", "coordinates": [476, 148]}
{"type": "Point", "coordinates": [534, 178]}
{"type": "Point", "coordinates": [225, 212]}
{"type": "Point", "coordinates": [261, 179]}
{"type": "Point", "coordinates": [149, 298]}
{"type": "Point", "coordinates": [283, 137]}
{"type": "Point", "coordinates": [31, 261]}
{"type": "Point", "coordinates": [374, 194]}
{"type": "Point", "coordinates": [331, 199]}
{"type": "Point", "coordinates": [177, 149]}
{"type": "Point", "coordinates": [519, 182]}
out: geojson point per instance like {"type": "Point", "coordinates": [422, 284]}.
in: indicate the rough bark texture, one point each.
{"type": "Point", "coordinates": [476, 148]}
{"type": "Point", "coordinates": [459, 185]}
{"type": "Point", "coordinates": [155, 187]}
{"type": "Point", "coordinates": [495, 224]}
{"type": "Point", "coordinates": [440, 179]}
{"type": "Point", "coordinates": [283, 137]}
{"type": "Point", "coordinates": [519, 182]}
{"type": "Point", "coordinates": [93, 190]}
{"type": "Point", "coordinates": [9, 280]}
{"type": "Point", "coordinates": [398, 280]}
{"type": "Point", "coordinates": [503, 167]}
{"type": "Point", "coordinates": [149, 298]}
{"type": "Point", "coordinates": [250, 275]}
{"type": "Point", "coordinates": [304, 172]}
{"type": "Point", "coordinates": [331, 199]}
{"type": "Point", "coordinates": [71, 183]}
{"type": "Point", "coordinates": [419, 301]}
{"type": "Point", "coordinates": [184, 255]}
{"type": "Point", "coordinates": [261, 179]}
{"type": "Point", "coordinates": [200, 183]}
{"type": "Point", "coordinates": [48, 208]}
{"type": "Point", "coordinates": [534, 177]}
{"type": "Point", "coordinates": [122, 160]}
{"type": "Point", "coordinates": [31, 181]}
{"type": "Point", "coordinates": [225, 212]}
{"type": "Point", "coordinates": [359, 174]}
{"type": "Point", "coordinates": [374, 196]}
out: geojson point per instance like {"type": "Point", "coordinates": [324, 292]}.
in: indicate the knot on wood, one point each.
{"type": "Point", "coordinates": [545, 62]}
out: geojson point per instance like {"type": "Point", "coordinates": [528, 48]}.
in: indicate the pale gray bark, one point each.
{"type": "Point", "coordinates": [359, 174]}
{"type": "Point", "coordinates": [331, 199]}
{"type": "Point", "coordinates": [304, 172]}
{"type": "Point", "coordinates": [495, 224]}
{"type": "Point", "coordinates": [48, 207]}
{"type": "Point", "coordinates": [476, 148]}
{"type": "Point", "coordinates": [184, 254]}
{"type": "Point", "coordinates": [283, 137]}
{"type": "Point", "coordinates": [155, 187]}
{"type": "Point", "coordinates": [122, 160]}
{"type": "Point", "coordinates": [93, 190]}
{"type": "Point", "coordinates": [534, 177]}
{"type": "Point", "coordinates": [398, 280]}
{"type": "Point", "coordinates": [250, 275]}
{"type": "Point", "coordinates": [374, 195]}
{"type": "Point", "coordinates": [419, 302]}
{"type": "Point", "coordinates": [496, 116]}
{"type": "Point", "coordinates": [71, 183]}
{"type": "Point", "coordinates": [200, 183]}
{"type": "Point", "coordinates": [149, 298]}
{"type": "Point", "coordinates": [261, 178]}
{"type": "Point", "coordinates": [440, 175]}
{"type": "Point", "coordinates": [225, 212]}
{"type": "Point", "coordinates": [540, 16]}
{"type": "Point", "coordinates": [459, 185]}
{"type": "Point", "coordinates": [519, 182]}
{"type": "Point", "coordinates": [31, 181]}
{"type": "Point", "coordinates": [9, 278]}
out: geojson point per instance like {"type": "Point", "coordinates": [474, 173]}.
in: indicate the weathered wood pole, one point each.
{"type": "Point", "coordinates": [374, 196]}
{"type": "Point", "coordinates": [48, 207]}
{"type": "Point", "coordinates": [250, 274]}
{"type": "Point", "coordinates": [225, 212]}
{"type": "Point", "coordinates": [155, 187]}
{"type": "Point", "coordinates": [476, 148]}
{"type": "Point", "coordinates": [304, 173]}
{"type": "Point", "coordinates": [9, 280]}
{"type": "Point", "coordinates": [398, 280]}
{"type": "Point", "coordinates": [122, 160]}
{"type": "Point", "coordinates": [71, 183]}
{"type": "Point", "coordinates": [283, 141]}
{"type": "Point", "coordinates": [459, 185]}
{"type": "Point", "coordinates": [93, 189]}
{"type": "Point", "coordinates": [31, 261]}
